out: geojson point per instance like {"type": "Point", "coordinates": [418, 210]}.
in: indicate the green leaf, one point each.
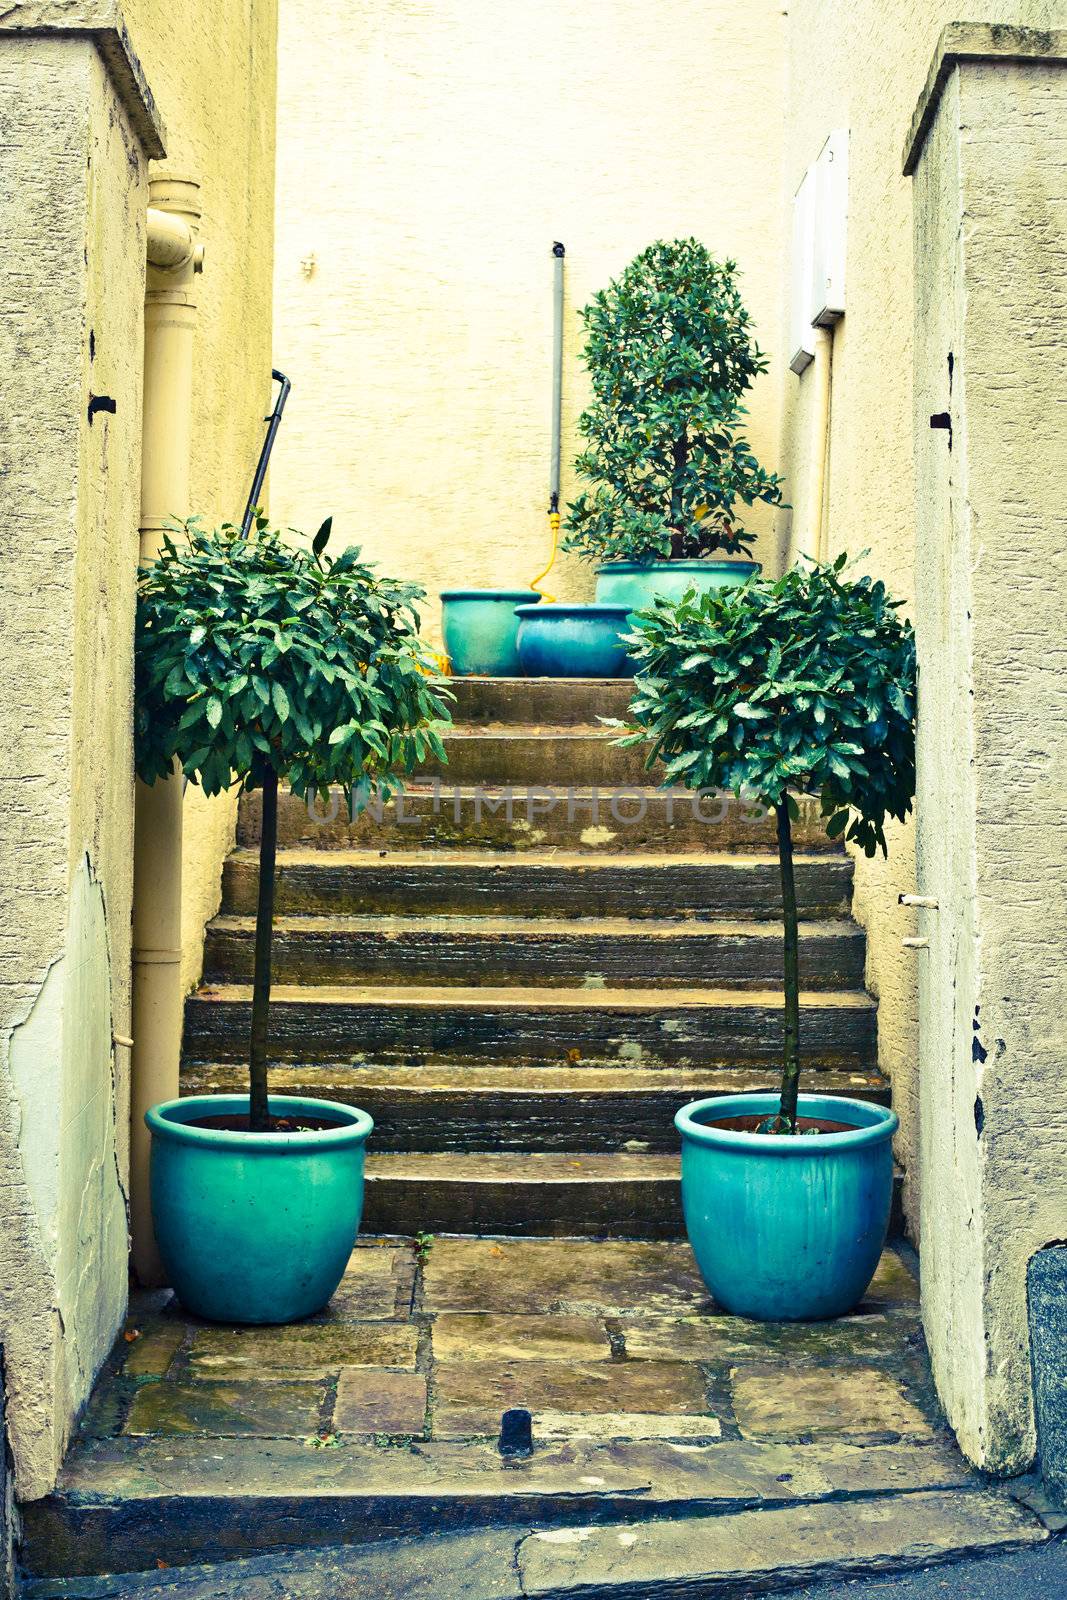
{"type": "Point", "coordinates": [322, 538]}
{"type": "Point", "coordinates": [213, 711]}
{"type": "Point", "coordinates": [280, 699]}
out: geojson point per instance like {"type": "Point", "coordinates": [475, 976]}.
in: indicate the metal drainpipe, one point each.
{"type": "Point", "coordinates": [822, 375]}
{"type": "Point", "coordinates": [174, 258]}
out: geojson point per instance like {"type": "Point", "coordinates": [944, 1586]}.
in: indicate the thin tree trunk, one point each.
{"type": "Point", "coordinates": [791, 1021]}
{"type": "Point", "coordinates": [259, 1115]}
{"type": "Point", "coordinates": [679, 456]}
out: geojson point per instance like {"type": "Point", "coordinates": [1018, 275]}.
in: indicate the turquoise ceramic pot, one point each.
{"type": "Point", "coordinates": [572, 641]}
{"type": "Point", "coordinates": [480, 629]}
{"type": "Point", "coordinates": [636, 583]}
{"type": "Point", "coordinates": [256, 1227]}
{"type": "Point", "coordinates": [787, 1229]}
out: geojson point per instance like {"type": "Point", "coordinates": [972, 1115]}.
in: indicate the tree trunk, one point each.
{"type": "Point", "coordinates": [791, 1019]}
{"type": "Point", "coordinates": [679, 456]}
{"type": "Point", "coordinates": [259, 1115]}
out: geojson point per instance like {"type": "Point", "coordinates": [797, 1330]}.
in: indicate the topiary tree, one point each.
{"type": "Point", "coordinates": [804, 685]}
{"type": "Point", "coordinates": [670, 352]}
{"type": "Point", "coordinates": [259, 660]}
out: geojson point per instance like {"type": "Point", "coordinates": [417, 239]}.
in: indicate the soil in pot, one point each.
{"type": "Point", "coordinates": [242, 1124]}
{"type": "Point", "coordinates": [805, 1125]}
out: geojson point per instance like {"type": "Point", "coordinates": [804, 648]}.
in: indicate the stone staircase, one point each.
{"type": "Point", "coordinates": [524, 965]}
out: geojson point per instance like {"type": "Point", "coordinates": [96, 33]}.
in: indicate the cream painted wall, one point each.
{"type": "Point", "coordinates": [861, 66]}
{"type": "Point", "coordinates": [432, 151]}
{"type": "Point", "coordinates": [73, 190]}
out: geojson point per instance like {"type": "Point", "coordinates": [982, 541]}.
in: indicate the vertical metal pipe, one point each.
{"type": "Point", "coordinates": [558, 253]}
{"type": "Point", "coordinates": [170, 316]}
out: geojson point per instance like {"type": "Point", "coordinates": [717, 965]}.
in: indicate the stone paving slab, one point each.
{"type": "Point", "coordinates": [781, 1403]}
{"type": "Point", "coordinates": [474, 1336]}
{"type": "Point", "coordinates": [724, 1340]}
{"type": "Point", "coordinates": [301, 1350]}
{"type": "Point", "coordinates": [469, 1396]}
{"type": "Point", "coordinates": [378, 1283]}
{"type": "Point", "coordinates": [622, 1425]}
{"type": "Point", "coordinates": [581, 1277]}
{"type": "Point", "coordinates": [370, 1401]}
{"type": "Point", "coordinates": [227, 1410]}
{"type": "Point", "coordinates": [151, 1346]}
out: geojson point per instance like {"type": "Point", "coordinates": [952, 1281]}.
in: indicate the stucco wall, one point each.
{"type": "Point", "coordinates": [991, 289]}
{"type": "Point", "coordinates": [861, 66]}
{"type": "Point", "coordinates": [73, 190]}
{"type": "Point", "coordinates": [431, 154]}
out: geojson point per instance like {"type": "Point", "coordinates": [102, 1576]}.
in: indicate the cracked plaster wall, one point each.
{"type": "Point", "coordinates": [73, 192]}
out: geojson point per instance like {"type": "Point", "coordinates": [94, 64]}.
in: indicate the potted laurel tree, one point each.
{"type": "Point", "coordinates": [806, 685]}
{"type": "Point", "coordinates": [257, 661]}
{"type": "Point", "coordinates": [670, 354]}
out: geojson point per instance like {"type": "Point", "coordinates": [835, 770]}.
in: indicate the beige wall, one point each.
{"type": "Point", "coordinates": [991, 289]}
{"type": "Point", "coordinates": [861, 66]}
{"type": "Point", "coordinates": [73, 190]}
{"type": "Point", "coordinates": [431, 154]}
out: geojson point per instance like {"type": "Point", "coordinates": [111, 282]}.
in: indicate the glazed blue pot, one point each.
{"type": "Point", "coordinates": [256, 1227]}
{"type": "Point", "coordinates": [637, 583]}
{"type": "Point", "coordinates": [480, 630]}
{"type": "Point", "coordinates": [572, 641]}
{"type": "Point", "coordinates": [787, 1228]}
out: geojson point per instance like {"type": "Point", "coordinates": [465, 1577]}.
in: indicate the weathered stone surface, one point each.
{"type": "Point", "coordinates": [301, 1350]}
{"type": "Point", "coordinates": [893, 1288]}
{"type": "Point", "coordinates": [782, 1402]}
{"type": "Point", "coordinates": [372, 1401]}
{"type": "Point", "coordinates": [723, 1340]}
{"type": "Point", "coordinates": [175, 1500]}
{"type": "Point", "coordinates": [475, 1336]}
{"type": "Point", "coordinates": [619, 1425]}
{"type": "Point", "coordinates": [720, 1554]}
{"type": "Point", "coordinates": [577, 1276]}
{"type": "Point", "coordinates": [151, 1346]}
{"type": "Point", "coordinates": [377, 1285]}
{"type": "Point", "coordinates": [469, 1396]}
{"type": "Point", "coordinates": [227, 1410]}
{"type": "Point", "coordinates": [1046, 1286]}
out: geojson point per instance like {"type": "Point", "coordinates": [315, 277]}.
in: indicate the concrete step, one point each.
{"type": "Point", "coordinates": [632, 1027]}
{"type": "Point", "coordinates": [468, 1108]}
{"type": "Point", "coordinates": [551, 883]}
{"type": "Point", "coordinates": [548, 1194]}
{"type": "Point", "coordinates": [526, 817]}
{"type": "Point", "coordinates": [157, 1506]}
{"type": "Point", "coordinates": [498, 950]}
{"type": "Point", "coordinates": [539, 702]}
{"type": "Point", "coordinates": [498, 753]}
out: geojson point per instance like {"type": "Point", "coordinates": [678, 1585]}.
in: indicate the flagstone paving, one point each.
{"type": "Point", "coordinates": [380, 1417]}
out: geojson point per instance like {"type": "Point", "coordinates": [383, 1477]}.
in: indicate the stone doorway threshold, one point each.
{"type": "Point", "coordinates": [786, 1450]}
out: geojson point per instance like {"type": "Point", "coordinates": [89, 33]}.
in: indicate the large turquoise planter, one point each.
{"type": "Point", "coordinates": [481, 630]}
{"type": "Point", "coordinates": [637, 583]}
{"type": "Point", "coordinates": [787, 1228]}
{"type": "Point", "coordinates": [572, 641]}
{"type": "Point", "coordinates": [256, 1227]}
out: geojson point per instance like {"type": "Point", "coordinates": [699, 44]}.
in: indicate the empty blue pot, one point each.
{"type": "Point", "coordinates": [787, 1228]}
{"type": "Point", "coordinates": [572, 641]}
{"type": "Point", "coordinates": [256, 1227]}
{"type": "Point", "coordinates": [480, 630]}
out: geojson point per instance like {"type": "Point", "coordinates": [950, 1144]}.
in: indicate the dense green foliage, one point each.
{"type": "Point", "coordinates": [805, 684]}
{"type": "Point", "coordinates": [670, 353]}
{"type": "Point", "coordinates": [257, 654]}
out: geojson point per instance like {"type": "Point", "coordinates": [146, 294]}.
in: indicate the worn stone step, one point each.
{"type": "Point", "coordinates": [551, 1194]}
{"type": "Point", "coordinates": [604, 821]}
{"type": "Point", "coordinates": [495, 753]}
{"type": "Point", "coordinates": [550, 883]}
{"type": "Point", "coordinates": [466, 1108]}
{"type": "Point", "coordinates": [539, 702]}
{"type": "Point", "coordinates": [635, 1027]}
{"type": "Point", "coordinates": [135, 1503]}
{"type": "Point", "coordinates": [594, 952]}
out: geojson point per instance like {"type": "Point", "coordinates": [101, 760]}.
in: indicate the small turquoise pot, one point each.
{"type": "Point", "coordinates": [572, 641]}
{"type": "Point", "coordinates": [789, 1228]}
{"type": "Point", "coordinates": [480, 630]}
{"type": "Point", "coordinates": [637, 583]}
{"type": "Point", "coordinates": [255, 1227]}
